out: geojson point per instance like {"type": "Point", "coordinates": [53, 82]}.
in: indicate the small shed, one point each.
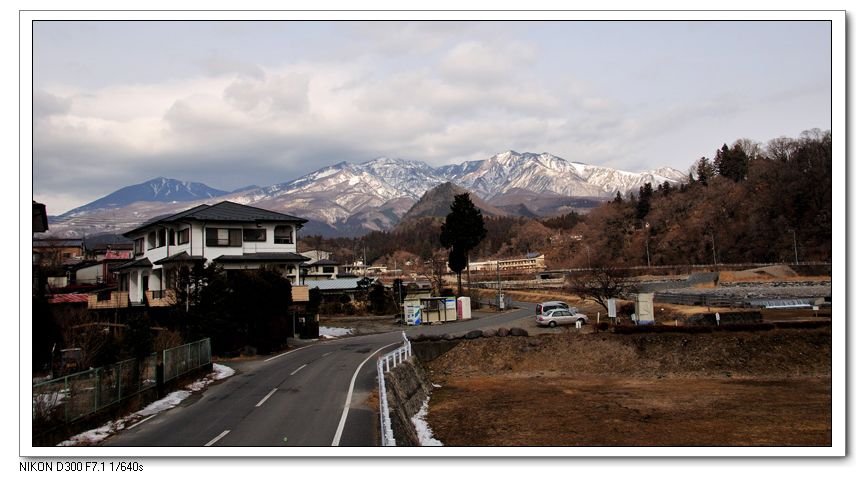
{"type": "Point", "coordinates": [411, 305]}
{"type": "Point", "coordinates": [438, 309]}
{"type": "Point", "coordinates": [644, 309]}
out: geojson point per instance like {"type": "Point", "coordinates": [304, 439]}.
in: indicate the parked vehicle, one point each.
{"type": "Point", "coordinates": [558, 316]}
{"type": "Point", "coordinates": [546, 306]}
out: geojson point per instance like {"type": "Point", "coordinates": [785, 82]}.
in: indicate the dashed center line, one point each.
{"type": "Point", "coordinates": [265, 398]}
{"type": "Point", "coordinates": [298, 369]}
{"type": "Point", "coordinates": [220, 436]}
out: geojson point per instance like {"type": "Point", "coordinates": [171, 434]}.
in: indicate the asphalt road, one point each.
{"type": "Point", "coordinates": [293, 399]}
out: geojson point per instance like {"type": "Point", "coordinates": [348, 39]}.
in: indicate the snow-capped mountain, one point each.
{"type": "Point", "coordinates": [354, 198]}
{"type": "Point", "coordinates": [611, 180]}
{"type": "Point", "coordinates": [160, 189]}
{"type": "Point", "coordinates": [540, 173]}
{"type": "Point", "coordinates": [548, 174]}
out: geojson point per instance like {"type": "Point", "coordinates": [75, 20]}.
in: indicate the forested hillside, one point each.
{"type": "Point", "coordinates": [746, 204]}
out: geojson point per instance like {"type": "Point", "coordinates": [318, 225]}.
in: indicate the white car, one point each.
{"type": "Point", "coordinates": [552, 318]}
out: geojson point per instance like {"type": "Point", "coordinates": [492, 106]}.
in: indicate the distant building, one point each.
{"type": "Point", "coordinates": [531, 262]}
{"type": "Point", "coordinates": [321, 270]}
{"type": "Point", "coordinates": [334, 288]}
{"type": "Point", "coordinates": [316, 255]}
{"type": "Point", "coordinates": [358, 269]}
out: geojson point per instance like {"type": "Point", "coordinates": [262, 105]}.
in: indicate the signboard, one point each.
{"type": "Point", "coordinates": [611, 307]}
{"type": "Point", "coordinates": [450, 303]}
{"type": "Point", "coordinates": [412, 314]}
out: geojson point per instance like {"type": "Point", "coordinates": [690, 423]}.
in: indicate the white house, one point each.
{"type": "Point", "coordinates": [233, 235]}
{"type": "Point", "coordinates": [322, 270]}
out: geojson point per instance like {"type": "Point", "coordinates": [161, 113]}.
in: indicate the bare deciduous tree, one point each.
{"type": "Point", "coordinates": [600, 284]}
{"type": "Point", "coordinates": [434, 270]}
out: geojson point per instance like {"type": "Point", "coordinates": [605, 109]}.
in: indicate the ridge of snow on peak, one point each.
{"type": "Point", "coordinates": [374, 195]}
{"type": "Point", "coordinates": [532, 172]}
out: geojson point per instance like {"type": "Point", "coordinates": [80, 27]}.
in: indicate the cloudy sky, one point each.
{"type": "Point", "coordinates": [237, 103]}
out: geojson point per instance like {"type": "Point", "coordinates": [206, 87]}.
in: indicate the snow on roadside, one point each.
{"type": "Point", "coordinates": [327, 332]}
{"type": "Point", "coordinates": [424, 433]}
{"type": "Point", "coordinates": [95, 436]}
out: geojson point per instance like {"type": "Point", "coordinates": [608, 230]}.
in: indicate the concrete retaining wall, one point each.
{"type": "Point", "coordinates": [407, 387]}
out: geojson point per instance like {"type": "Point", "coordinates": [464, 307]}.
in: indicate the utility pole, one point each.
{"type": "Point", "coordinates": [648, 259]}
{"type": "Point", "coordinates": [795, 249]}
{"type": "Point", "coordinates": [588, 256]}
{"type": "Point", "coordinates": [714, 257]}
{"type": "Point", "coordinates": [499, 288]}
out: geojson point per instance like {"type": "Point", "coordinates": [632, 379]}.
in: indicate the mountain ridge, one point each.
{"type": "Point", "coordinates": [375, 195]}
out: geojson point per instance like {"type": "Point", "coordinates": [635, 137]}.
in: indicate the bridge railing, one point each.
{"type": "Point", "coordinates": [384, 364]}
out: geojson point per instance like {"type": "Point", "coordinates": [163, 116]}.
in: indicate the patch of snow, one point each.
{"type": "Point", "coordinates": [327, 332]}
{"type": "Point", "coordinates": [436, 385]}
{"type": "Point", "coordinates": [95, 436]}
{"type": "Point", "coordinates": [424, 433]}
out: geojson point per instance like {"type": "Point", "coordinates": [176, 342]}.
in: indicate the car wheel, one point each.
{"type": "Point", "coordinates": [581, 322]}
{"type": "Point", "coordinates": [552, 324]}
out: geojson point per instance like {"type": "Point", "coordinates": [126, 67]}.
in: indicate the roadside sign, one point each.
{"type": "Point", "coordinates": [611, 307]}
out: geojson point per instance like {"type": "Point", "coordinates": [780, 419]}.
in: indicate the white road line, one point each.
{"type": "Point", "coordinates": [325, 354]}
{"type": "Point", "coordinates": [265, 398]}
{"type": "Point", "coordinates": [141, 422]}
{"type": "Point", "coordinates": [217, 438]}
{"type": "Point", "coordinates": [338, 435]}
{"type": "Point", "coordinates": [298, 369]}
{"type": "Point", "coordinates": [287, 352]}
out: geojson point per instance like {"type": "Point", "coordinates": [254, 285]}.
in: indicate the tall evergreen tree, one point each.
{"type": "Point", "coordinates": [462, 231]}
{"type": "Point", "coordinates": [732, 163]}
{"type": "Point", "coordinates": [705, 170]}
{"type": "Point", "coordinates": [644, 201]}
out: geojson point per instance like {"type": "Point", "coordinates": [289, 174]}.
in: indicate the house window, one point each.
{"type": "Point", "coordinates": [138, 246]}
{"type": "Point", "coordinates": [223, 237]}
{"type": "Point", "coordinates": [183, 236]}
{"type": "Point", "coordinates": [283, 234]}
{"type": "Point", "coordinates": [254, 235]}
{"type": "Point", "coordinates": [170, 236]}
{"type": "Point", "coordinates": [327, 269]}
{"type": "Point", "coordinates": [156, 239]}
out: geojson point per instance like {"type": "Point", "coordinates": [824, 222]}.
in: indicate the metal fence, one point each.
{"type": "Point", "coordinates": [183, 359]}
{"type": "Point", "coordinates": [77, 395]}
{"type": "Point", "coordinates": [383, 366]}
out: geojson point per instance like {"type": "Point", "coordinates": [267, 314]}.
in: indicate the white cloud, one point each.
{"type": "Point", "coordinates": [434, 91]}
{"type": "Point", "coordinates": [475, 61]}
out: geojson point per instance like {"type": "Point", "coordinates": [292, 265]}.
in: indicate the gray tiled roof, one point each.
{"type": "Point", "coordinates": [181, 257]}
{"type": "Point", "coordinates": [262, 257]}
{"type": "Point", "coordinates": [323, 262]}
{"type": "Point", "coordinates": [224, 211]}
{"type": "Point", "coordinates": [141, 263]}
{"type": "Point", "coordinates": [337, 284]}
